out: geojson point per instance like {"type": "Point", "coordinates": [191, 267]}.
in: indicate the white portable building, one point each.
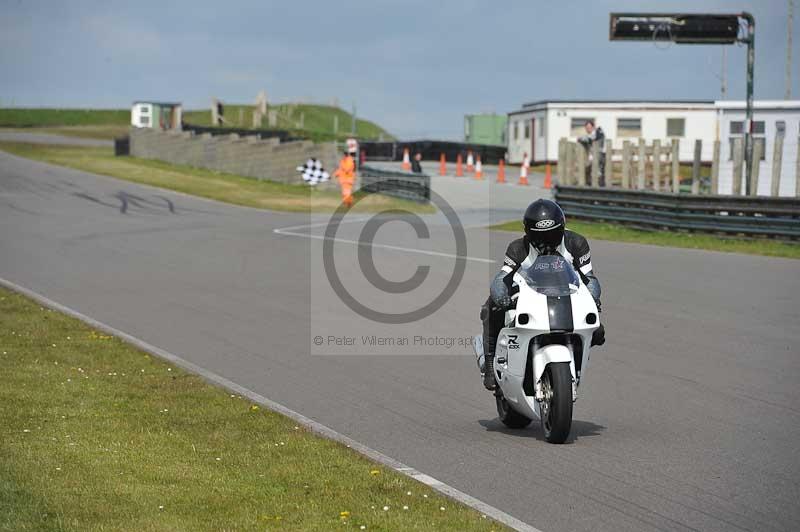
{"type": "Point", "coordinates": [157, 115]}
{"type": "Point", "coordinates": [770, 118]}
{"type": "Point", "coordinates": [537, 127]}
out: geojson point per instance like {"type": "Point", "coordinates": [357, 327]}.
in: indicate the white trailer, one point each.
{"type": "Point", "coordinates": [537, 127]}
{"type": "Point", "coordinates": [770, 119]}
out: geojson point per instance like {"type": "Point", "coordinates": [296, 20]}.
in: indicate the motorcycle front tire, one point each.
{"type": "Point", "coordinates": [556, 410]}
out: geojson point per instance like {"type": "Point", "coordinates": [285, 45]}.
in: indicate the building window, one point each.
{"type": "Point", "coordinates": [780, 127]}
{"type": "Point", "coordinates": [577, 126]}
{"type": "Point", "coordinates": [629, 127]}
{"type": "Point", "coordinates": [737, 127]}
{"type": "Point", "coordinates": [144, 121]}
{"type": "Point", "coordinates": [527, 130]}
{"type": "Point", "coordinates": [541, 125]}
{"type": "Point", "coordinates": [676, 127]}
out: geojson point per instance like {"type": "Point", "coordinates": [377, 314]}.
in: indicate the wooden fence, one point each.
{"type": "Point", "coordinates": [656, 167]}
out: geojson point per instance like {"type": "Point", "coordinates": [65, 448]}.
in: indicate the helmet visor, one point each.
{"type": "Point", "coordinates": [546, 240]}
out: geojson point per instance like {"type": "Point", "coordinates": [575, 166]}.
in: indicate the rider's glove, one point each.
{"type": "Point", "coordinates": [499, 291]}
{"type": "Point", "coordinates": [599, 336]}
{"type": "Point", "coordinates": [503, 302]}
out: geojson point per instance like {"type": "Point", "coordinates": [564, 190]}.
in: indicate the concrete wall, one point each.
{"type": "Point", "coordinates": [246, 156]}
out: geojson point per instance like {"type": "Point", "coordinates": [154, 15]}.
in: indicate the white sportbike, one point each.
{"type": "Point", "coordinates": [543, 350]}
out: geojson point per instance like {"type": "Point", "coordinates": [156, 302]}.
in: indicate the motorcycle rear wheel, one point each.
{"type": "Point", "coordinates": [510, 417]}
{"type": "Point", "coordinates": [556, 409]}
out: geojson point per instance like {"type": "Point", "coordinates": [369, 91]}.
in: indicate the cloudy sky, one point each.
{"type": "Point", "coordinates": [416, 67]}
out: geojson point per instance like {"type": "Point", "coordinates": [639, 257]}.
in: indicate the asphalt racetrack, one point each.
{"type": "Point", "coordinates": [689, 416]}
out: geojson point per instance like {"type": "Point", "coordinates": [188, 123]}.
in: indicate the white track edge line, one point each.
{"type": "Point", "coordinates": [487, 509]}
{"type": "Point", "coordinates": [283, 231]}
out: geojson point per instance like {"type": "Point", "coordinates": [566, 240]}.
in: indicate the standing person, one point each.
{"type": "Point", "coordinates": [415, 166]}
{"type": "Point", "coordinates": [595, 135]}
{"type": "Point", "coordinates": [346, 176]}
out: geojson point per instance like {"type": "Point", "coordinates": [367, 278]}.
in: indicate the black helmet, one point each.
{"type": "Point", "coordinates": [544, 225]}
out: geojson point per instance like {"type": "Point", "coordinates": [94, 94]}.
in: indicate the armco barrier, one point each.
{"type": "Point", "coordinates": [752, 216]}
{"type": "Point", "coordinates": [415, 187]}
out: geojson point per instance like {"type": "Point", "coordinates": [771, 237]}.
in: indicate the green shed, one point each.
{"type": "Point", "coordinates": [485, 129]}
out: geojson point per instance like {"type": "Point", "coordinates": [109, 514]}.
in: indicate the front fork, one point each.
{"type": "Point", "coordinates": [540, 396]}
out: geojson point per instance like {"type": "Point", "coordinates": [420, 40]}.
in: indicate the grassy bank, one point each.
{"type": "Point", "coordinates": [107, 132]}
{"type": "Point", "coordinates": [618, 233]}
{"type": "Point", "coordinates": [206, 183]}
{"type": "Point", "coordinates": [315, 122]}
{"type": "Point", "coordinates": [99, 436]}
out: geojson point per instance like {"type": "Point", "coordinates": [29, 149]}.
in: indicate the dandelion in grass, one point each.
{"type": "Point", "coordinates": [441, 508]}
{"type": "Point", "coordinates": [385, 508]}
{"type": "Point", "coordinates": [405, 507]}
{"type": "Point", "coordinates": [254, 408]}
{"type": "Point", "coordinates": [344, 514]}
{"type": "Point", "coordinates": [375, 472]}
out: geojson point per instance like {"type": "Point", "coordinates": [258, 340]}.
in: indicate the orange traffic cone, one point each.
{"type": "Point", "coordinates": [478, 169]}
{"type": "Point", "coordinates": [442, 165]}
{"type": "Point", "coordinates": [459, 167]}
{"type": "Point", "coordinates": [470, 162]}
{"type": "Point", "coordinates": [406, 160]}
{"type": "Point", "coordinates": [501, 172]}
{"type": "Point", "coordinates": [523, 175]}
{"type": "Point", "coordinates": [548, 178]}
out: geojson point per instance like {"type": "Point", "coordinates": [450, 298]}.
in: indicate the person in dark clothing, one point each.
{"type": "Point", "coordinates": [545, 233]}
{"type": "Point", "coordinates": [594, 135]}
{"type": "Point", "coordinates": [416, 167]}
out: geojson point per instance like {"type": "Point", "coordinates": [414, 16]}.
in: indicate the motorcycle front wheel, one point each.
{"type": "Point", "coordinates": [556, 409]}
{"type": "Point", "coordinates": [510, 417]}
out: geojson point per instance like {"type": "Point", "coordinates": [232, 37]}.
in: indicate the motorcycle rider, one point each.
{"type": "Point", "coordinates": [545, 233]}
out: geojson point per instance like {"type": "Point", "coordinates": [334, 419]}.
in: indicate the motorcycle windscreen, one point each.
{"type": "Point", "coordinates": [551, 275]}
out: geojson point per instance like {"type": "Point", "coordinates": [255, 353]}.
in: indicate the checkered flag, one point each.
{"type": "Point", "coordinates": [313, 172]}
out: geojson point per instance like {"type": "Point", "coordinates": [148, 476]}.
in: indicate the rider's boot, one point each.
{"type": "Point", "coordinates": [488, 373]}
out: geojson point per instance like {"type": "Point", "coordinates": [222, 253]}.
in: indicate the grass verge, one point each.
{"type": "Point", "coordinates": [206, 183]}
{"type": "Point", "coordinates": [100, 436]}
{"type": "Point", "coordinates": [618, 233]}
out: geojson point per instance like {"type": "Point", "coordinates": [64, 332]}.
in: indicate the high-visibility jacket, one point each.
{"type": "Point", "coordinates": [346, 171]}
